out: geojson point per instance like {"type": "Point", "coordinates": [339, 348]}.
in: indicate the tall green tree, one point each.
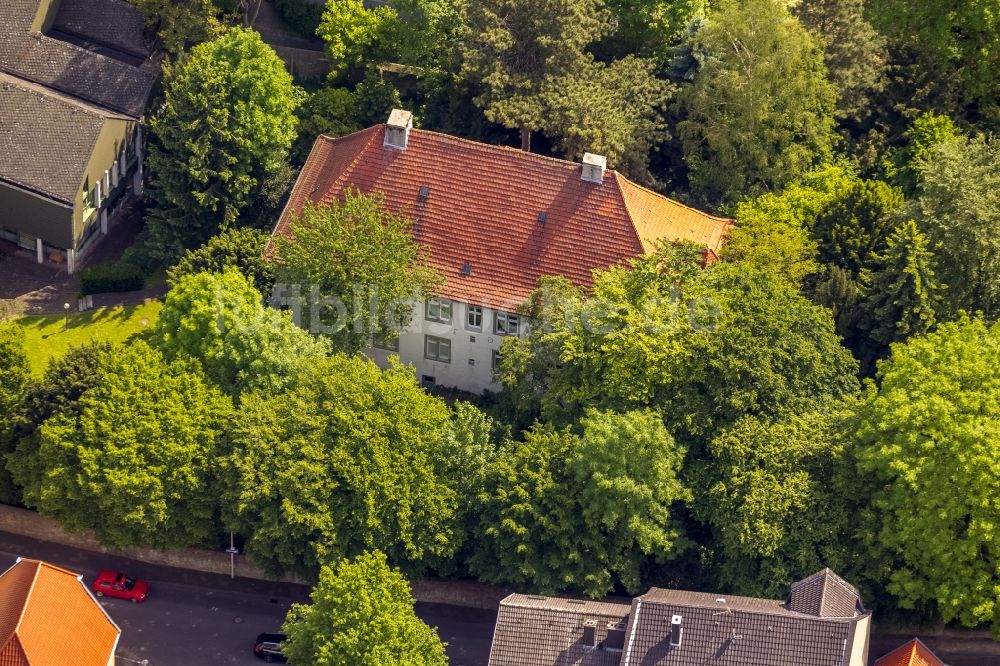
{"type": "Point", "coordinates": [926, 449]}
{"type": "Point", "coordinates": [703, 347]}
{"type": "Point", "coordinates": [901, 293]}
{"type": "Point", "coordinates": [15, 376]}
{"type": "Point", "coordinates": [650, 27]}
{"type": "Point", "coordinates": [759, 110]}
{"type": "Point", "coordinates": [852, 227]}
{"type": "Point", "coordinates": [361, 615]}
{"type": "Point", "coordinates": [135, 463]}
{"type": "Point", "coordinates": [927, 131]}
{"type": "Point", "coordinates": [612, 110]}
{"type": "Point", "coordinates": [518, 49]}
{"type": "Point", "coordinates": [242, 249]}
{"type": "Point", "coordinates": [963, 36]}
{"type": "Point", "coordinates": [582, 511]}
{"type": "Point", "coordinates": [57, 392]}
{"type": "Point", "coordinates": [363, 264]}
{"type": "Point", "coordinates": [959, 210]}
{"type": "Point", "coordinates": [855, 53]}
{"type": "Point", "coordinates": [770, 493]}
{"type": "Point", "coordinates": [15, 388]}
{"type": "Point", "coordinates": [344, 460]}
{"type": "Point", "coordinates": [179, 23]}
{"type": "Point", "coordinates": [227, 122]}
{"type": "Point", "coordinates": [218, 319]}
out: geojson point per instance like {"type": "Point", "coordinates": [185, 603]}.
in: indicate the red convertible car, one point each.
{"type": "Point", "coordinates": [116, 584]}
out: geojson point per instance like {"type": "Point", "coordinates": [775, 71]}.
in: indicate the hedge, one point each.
{"type": "Point", "coordinates": [113, 276]}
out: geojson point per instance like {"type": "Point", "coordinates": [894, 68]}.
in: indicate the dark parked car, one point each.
{"type": "Point", "coordinates": [268, 647]}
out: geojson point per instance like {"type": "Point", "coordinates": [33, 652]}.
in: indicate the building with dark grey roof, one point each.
{"type": "Point", "coordinates": [545, 630]}
{"type": "Point", "coordinates": [821, 623]}
{"type": "Point", "coordinates": [75, 78]}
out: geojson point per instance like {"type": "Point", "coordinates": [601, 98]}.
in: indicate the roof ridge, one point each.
{"type": "Point", "coordinates": [59, 96]}
{"type": "Point", "coordinates": [562, 609]}
{"type": "Point", "coordinates": [27, 596]}
{"type": "Point", "coordinates": [664, 196]}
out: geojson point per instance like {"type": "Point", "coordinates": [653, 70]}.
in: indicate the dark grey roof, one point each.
{"type": "Point", "coordinates": [113, 23]}
{"type": "Point", "coordinates": [825, 594]}
{"type": "Point", "coordinates": [46, 138]}
{"type": "Point", "coordinates": [720, 629]}
{"type": "Point", "coordinates": [69, 68]}
{"type": "Point", "coordinates": [545, 631]}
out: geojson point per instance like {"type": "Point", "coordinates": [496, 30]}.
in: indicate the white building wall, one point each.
{"type": "Point", "coordinates": [471, 365]}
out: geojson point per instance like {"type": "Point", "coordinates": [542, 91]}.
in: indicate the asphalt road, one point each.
{"type": "Point", "coordinates": [194, 618]}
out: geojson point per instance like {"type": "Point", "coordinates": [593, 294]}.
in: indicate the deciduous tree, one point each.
{"type": "Point", "coordinates": [769, 491]}
{"type": "Point", "coordinates": [344, 460]}
{"type": "Point", "coordinates": [218, 320]}
{"type": "Point", "coordinates": [582, 510]}
{"type": "Point", "coordinates": [759, 111]}
{"type": "Point", "coordinates": [361, 615]}
{"type": "Point", "coordinates": [242, 249]}
{"type": "Point", "coordinates": [179, 23]}
{"type": "Point", "coordinates": [227, 121]}
{"type": "Point", "coordinates": [926, 447]}
{"type": "Point", "coordinates": [364, 265]}
{"type": "Point", "coordinates": [135, 463]}
{"type": "Point", "coordinates": [959, 210]}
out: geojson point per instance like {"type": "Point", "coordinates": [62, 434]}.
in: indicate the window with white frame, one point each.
{"type": "Point", "coordinates": [496, 358]}
{"type": "Point", "coordinates": [438, 309]}
{"type": "Point", "coordinates": [474, 318]}
{"type": "Point", "coordinates": [437, 349]}
{"type": "Point", "coordinates": [505, 323]}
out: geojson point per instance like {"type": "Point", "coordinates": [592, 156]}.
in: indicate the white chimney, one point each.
{"type": "Point", "coordinates": [676, 630]}
{"type": "Point", "coordinates": [593, 168]}
{"type": "Point", "coordinates": [397, 129]}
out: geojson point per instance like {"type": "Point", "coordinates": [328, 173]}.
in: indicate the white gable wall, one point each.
{"type": "Point", "coordinates": [471, 365]}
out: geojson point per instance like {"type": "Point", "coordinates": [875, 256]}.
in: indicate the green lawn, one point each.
{"type": "Point", "coordinates": [49, 336]}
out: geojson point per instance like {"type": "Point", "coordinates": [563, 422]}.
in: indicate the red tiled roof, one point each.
{"type": "Point", "coordinates": [483, 205]}
{"type": "Point", "coordinates": [913, 653]}
{"type": "Point", "coordinates": [49, 618]}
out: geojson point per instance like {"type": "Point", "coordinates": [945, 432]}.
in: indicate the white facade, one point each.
{"type": "Point", "coordinates": [453, 344]}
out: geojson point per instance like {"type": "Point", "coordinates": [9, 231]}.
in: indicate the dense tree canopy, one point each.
{"type": "Point", "coordinates": [855, 53]}
{"type": "Point", "coordinates": [962, 38]}
{"type": "Point", "coordinates": [344, 461]}
{"type": "Point", "coordinates": [704, 347]}
{"type": "Point", "coordinates": [520, 50]}
{"type": "Point", "coordinates": [135, 462]}
{"type": "Point", "coordinates": [759, 111]}
{"type": "Point", "coordinates": [361, 615]}
{"type": "Point", "coordinates": [227, 122]}
{"type": "Point", "coordinates": [959, 210]}
{"type": "Point", "coordinates": [582, 511]}
{"type": "Point", "coordinates": [179, 23]}
{"type": "Point", "coordinates": [926, 443]}
{"type": "Point", "coordinates": [357, 268]}
{"type": "Point", "coordinates": [242, 249]}
{"type": "Point", "coordinates": [771, 498]}
{"type": "Point", "coordinates": [15, 376]}
{"type": "Point", "coordinates": [219, 320]}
